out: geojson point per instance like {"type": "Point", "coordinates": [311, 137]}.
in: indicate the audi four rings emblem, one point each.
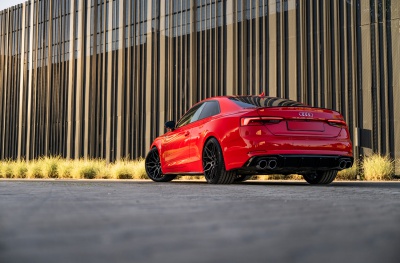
{"type": "Point", "coordinates": [305, 114]}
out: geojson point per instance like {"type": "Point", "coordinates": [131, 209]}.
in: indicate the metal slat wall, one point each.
{"type": "Point", "coordinates": [98, 78]}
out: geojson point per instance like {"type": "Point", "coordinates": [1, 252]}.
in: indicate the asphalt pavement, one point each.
{"type": "Point", "coordinates": [191, 221]}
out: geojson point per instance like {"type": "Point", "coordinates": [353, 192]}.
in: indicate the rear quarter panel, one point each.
{"type": "Point", "coordinates": [225, 129]}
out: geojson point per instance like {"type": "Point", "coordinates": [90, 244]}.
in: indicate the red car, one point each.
{"type": "Point", "coordinates": [231, 138]}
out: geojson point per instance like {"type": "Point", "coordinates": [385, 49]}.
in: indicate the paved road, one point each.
{"type": "Point", "coordinates": [142, 221]}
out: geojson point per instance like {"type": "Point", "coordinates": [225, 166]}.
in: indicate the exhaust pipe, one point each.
{"type": "Point", "coordinates": [348, 164]}
{"type": "Point", "coordinates": [272, 164]}
{"type": "Point", "coordinates": [267, 164]}
{"type": "Point", "coordinates": [263, 164]}
{"type": "Point", "coordinates": [342, 164]}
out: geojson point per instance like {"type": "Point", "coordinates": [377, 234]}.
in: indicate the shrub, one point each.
{"type": "Point", "coordinates": [64, 168]}
{"type": "Point", "coordinates": [6, 170]}
{"type": "Point", "coordinates": [103, 170]}
{"type": "Point", "coordinates": [1, 169]}
{"type": "Point", "coordinates": [122, 170]}
{"type": "Point", "coordinates": [20, 169]}
{"type": "Point", "coordinates": [348, 174]}
{"type": "Point", "coordinates": [378, 167]}
{"type": "Point", "coordinates": [139, 170]}
{"type": "Point", "coordinates": [34, 170]}
{"type": "Point", "coordinates": [49, 166]}
{"type": "Point", "coordinates": [85, 169]}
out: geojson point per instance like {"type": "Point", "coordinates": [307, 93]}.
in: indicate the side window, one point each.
{"type": "Point", "coordinates": [197, 113]}
{"type": "Point", "coordinates": [190, 115]}
{"type": "Point", "coordinates": [210, 109]}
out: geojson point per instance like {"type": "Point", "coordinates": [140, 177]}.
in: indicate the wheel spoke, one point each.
{"type": "Point", "coordinates": [210, 160]}
{"type": "Point", "coordinates": [209, 153]}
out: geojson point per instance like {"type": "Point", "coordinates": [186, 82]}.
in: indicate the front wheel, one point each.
{"type": "Point", "coordinates": [321, 177]}
{"type": "Point", "coordinates": [213, 164]}
{"type": "Point", "coordinates": [153, 167]}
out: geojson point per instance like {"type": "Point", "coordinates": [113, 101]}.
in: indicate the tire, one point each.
{"type": "Point", "coordinates": [153, 167]}
{"type": "Point", "coordinates": [325, 177]}
{"type": "Point", "coordinates": [242, 178]}
{"type": "Point", "coordinates": [213, 164]}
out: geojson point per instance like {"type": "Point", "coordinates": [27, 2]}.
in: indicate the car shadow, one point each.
{"type": "Point", "coordinates": [341, 184]}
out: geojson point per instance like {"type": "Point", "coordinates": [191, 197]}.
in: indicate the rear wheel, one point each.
{"type": "Point", "coordinates": [321, 177]}
{"type": "Point", "coordinates": [153, 167]}
{"type": "Point", "coordinates": [213, 164]}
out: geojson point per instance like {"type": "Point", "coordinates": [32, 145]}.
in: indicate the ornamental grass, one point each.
{"type": "Point", "coordinates": [348, 174]}
{"type": "Point", "coordinates": [371, 168]}
{"type": "Point", "coordinates": [377, 167]}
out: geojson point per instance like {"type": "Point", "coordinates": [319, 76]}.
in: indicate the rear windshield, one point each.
{"type": "Point", "coordinates": [256, 101]}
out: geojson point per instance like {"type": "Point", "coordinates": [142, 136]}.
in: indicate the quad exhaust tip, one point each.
{"type": "Point", "coordinates": [271, 164]}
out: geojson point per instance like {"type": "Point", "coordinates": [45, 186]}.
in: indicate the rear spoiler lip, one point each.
{"type": "Point", "coordinates": [335, 114]}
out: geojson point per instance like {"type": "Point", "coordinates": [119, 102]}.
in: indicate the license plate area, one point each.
{"type": "Point", "coordinates": [305, 126]}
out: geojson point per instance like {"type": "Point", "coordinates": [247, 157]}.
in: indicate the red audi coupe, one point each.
{"type": "Point", "coordinates": [231, 138]}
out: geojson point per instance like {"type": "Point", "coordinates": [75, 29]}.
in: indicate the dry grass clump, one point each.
{"type": "Point", "coordinates": [128, 169]}
{"type": "Point", "coordinates": [20, 169]}
{"type": "Point", "coordinates": [50, 166]}
{"type": "Point", "coordinates": [348, 174]}
{"type": "Point", "coordinates": [139, 169]}
{"type": "Point", "coordinates": [56, 167]}
{"type": "Point", "coordinates": [122, 170]}
{"type": "Point", "coordinates": [35, 170]}
{"type": "Point", "coordinates": [103, 170]}
{"type": "Point", "coordinates": [44, 167]}
{"type": "Point", "coordinates": [191, 177]}
{"type": "Point", "coordinates": [88, 169]}
{"type": "Point", "coordinates": [64, 168]}
{"type": "Point", "coordinates": [6, 169]}
{"type": "Point", "coordinates": [378, 167]}
{"type": "Point", "coordinates": [375, 167]}
{"type": "Point", "coordinates": [277, 177]}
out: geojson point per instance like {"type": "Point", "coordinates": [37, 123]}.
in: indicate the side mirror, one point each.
{"type": "Point", "coordinates": [170, 125]}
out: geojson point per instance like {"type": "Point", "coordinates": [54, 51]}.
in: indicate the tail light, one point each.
{"type": "Point", "coordinates": [257, 121]}
{"type": "Point", "coordinates": [337, 123]}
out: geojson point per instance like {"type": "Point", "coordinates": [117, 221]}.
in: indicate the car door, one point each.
{"type": "Point", "coordinates": [176, 147]}
{"type": "Point", "coordinates": [210, 109]}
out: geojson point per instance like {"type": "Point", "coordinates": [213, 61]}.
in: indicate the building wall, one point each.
{"type": "Point", "coordinates": [98, 78]}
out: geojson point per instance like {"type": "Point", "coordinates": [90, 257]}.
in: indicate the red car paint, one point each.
{"type": "Point", "coordinates": [244, 133]}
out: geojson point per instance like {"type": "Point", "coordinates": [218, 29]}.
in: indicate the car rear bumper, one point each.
{"type": "Point", "coordinates": [287, 164]}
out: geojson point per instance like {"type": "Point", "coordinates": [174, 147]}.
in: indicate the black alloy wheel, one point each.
{"type": "Point", "coordinates": [153, 167]}
{"type": "Point", "coordinates": [213, 164]}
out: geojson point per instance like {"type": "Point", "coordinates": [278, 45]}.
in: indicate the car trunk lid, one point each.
{"type": "Point", "coordinates": [302, 121]}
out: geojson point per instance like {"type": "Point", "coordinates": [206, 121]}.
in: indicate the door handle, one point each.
{"type": "Point", "coordinates": [187, 133]}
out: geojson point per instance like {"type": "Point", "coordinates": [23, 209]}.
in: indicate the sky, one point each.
{"type": "Point", "coordinates": [4, 4]}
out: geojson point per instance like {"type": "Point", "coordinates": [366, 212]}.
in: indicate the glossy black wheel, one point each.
{"type": "Point", "coordinates": [321, 177]}
{"type": "Point", "coordinates": [153, 167]}
{"type": "Point", "coordinates": [213, 164]}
